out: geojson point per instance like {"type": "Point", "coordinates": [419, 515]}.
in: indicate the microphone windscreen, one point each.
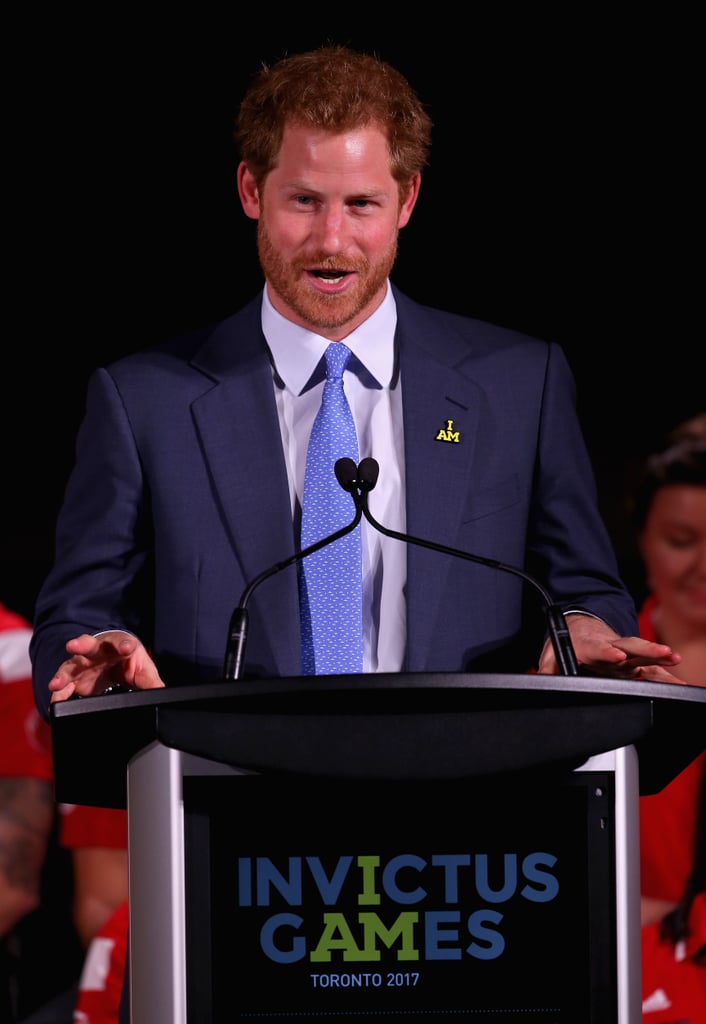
{"type": "Point", "coordinates": [368, 471]}
{"type": "Point", "coordinates": [346, 474]}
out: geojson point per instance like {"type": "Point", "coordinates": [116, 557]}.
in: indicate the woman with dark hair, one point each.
{"type": "Point", "coordinates": [669, 516]}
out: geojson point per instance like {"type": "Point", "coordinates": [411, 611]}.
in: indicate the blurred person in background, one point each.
{"type": "Point", "coordinates": [674, 946]}
{"type": "Point", "coordinates": [35, 876]}
{"type": "Point", "coordinates": [63, 868]}
{"type": "Point", "coordinates": [27, 807]}
{"type": "Point", "coordinates": [668, 508]}
{"type": "Point", "coordinates": [97, 839]}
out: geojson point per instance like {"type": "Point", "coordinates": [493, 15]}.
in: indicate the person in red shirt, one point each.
{"type": "Point", "coordinates": [674, 947]}
{"type": "Point", "coordinates": [669, 515]}
{"type": "Point", "coordinates": [101, 984]}
{"type": "Point", "coordinates": [97, 839]}
{"type": "Point", "coordinates": [26, 774]}
{"type": "Point", "coordinates": [27, 814]}
{"type": "Point", "coordinates": [26, 787]}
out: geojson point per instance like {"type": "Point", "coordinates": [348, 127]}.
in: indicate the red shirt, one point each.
{"type": "Point", "coordinates": [668, 818]}
{"type": "Point", "coordinates": [101, 982]}
{"type": "Point", "coordinates": [81, 826]}
{"type": "Point", "coordinates": [25, 738]}
{"type": "Point", "coordinates": [25, 741]}
{"type": "Point", "coordinates": [673, 983]}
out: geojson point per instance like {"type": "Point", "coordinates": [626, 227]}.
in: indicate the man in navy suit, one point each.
{"type": "Point", "coordinates": [190, 461]}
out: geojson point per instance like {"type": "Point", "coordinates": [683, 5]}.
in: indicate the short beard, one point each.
{"type": "Point", "coordinates": [322, 312]}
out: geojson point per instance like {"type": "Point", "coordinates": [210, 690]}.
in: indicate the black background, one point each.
{"type": "Point", "coordinates": [560, 200]}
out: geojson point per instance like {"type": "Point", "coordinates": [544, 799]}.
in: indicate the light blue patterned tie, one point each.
{"type": "Point", "coordinates": [330, 580]}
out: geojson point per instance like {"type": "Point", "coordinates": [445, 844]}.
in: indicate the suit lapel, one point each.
{"type": "Point", "coordinates": [441, 406]}
{"type": "Point", "coordinates": [236, 421]}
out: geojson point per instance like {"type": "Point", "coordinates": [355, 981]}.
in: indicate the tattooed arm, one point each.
{"type": "Point", "coordinates": [26, 817]}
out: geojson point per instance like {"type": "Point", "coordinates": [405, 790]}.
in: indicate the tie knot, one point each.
{"type": "Point", "coordinates": [336, 356]}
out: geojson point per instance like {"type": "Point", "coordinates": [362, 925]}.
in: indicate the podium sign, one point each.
{"type": "Point", "coordinates": [403, 848]}
{"type": "Point", "coordinates": [333, 901]}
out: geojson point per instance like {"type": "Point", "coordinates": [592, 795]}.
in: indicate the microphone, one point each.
{"type": "Point", "coordinates": [238, 627]}
{"type": "Point", "coordinates": [366, 477]}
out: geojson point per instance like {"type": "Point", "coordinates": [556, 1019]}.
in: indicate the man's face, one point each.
{"type": "Point", "coordinates": [328, 219]}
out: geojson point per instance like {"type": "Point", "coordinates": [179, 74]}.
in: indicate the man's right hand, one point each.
{"type": "Point", "coordinates": [96, 663]}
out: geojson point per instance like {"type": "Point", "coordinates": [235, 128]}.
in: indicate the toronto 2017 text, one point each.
{"type": "Point", "coordinates": [367, 979]}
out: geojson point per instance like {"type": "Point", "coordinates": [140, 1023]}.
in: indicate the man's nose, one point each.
{"type": "Point", "coordinates": [330, 229]}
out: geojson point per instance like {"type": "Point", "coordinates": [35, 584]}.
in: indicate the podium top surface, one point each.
{"type": "Point", "coordinates": [424, 725]}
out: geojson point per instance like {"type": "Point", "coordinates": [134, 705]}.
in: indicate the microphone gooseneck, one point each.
{"type": "Point", "coordinates": [358, 481]}
{"type": "Point", "coordinates": [238, 626]}
{"type": "Point", "coordinates": [367, 476]}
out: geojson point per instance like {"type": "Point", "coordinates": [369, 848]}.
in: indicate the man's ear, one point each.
{"type": "Point", "coordinates": [409, 201]}
{"type": "Point", "coordinates": [248, 192]}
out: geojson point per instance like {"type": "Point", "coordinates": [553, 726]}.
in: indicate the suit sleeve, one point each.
{"type": "Point", "coordinates": [569, 544]}
{"type": "Point", "coordinates": [101, 551]}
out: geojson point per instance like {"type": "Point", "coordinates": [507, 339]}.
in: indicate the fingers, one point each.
{"type": "Point", "coordinates": [656, 674]}
{"type": "Point", "coordinates": [646, 652]}
{"type": "Point", "coordinates": [617, 657]}
{"type": "Point", "coordinates": [105, 648]}
{"type": "Point", "coordinates": [548, 665]}
{"type": "Point", "coordinates": [67, 690]}
{"type": "Point", "coordinates": [98, 663]}
{"type": "Point", "coordinates": [142, 674]}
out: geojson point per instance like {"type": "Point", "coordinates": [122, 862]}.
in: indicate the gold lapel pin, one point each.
{"type": "Point", "coordinates": [448, 433]}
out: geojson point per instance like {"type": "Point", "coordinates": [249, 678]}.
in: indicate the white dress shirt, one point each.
{"type": "Point", "coordinates": [376, 405]}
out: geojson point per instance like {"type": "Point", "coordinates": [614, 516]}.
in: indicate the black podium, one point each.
{"type": "Point", "coordinates": [411, 848]}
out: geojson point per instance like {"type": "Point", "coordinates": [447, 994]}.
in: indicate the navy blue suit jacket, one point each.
{"type": "Point", "coordinates": [179, 498]}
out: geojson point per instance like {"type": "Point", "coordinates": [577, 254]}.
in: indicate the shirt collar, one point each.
{"type": "Point", "coordinates": [297, 351]}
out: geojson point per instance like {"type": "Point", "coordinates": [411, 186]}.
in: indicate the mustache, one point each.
{"type": "Point", "coordinates": [320, 261]}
